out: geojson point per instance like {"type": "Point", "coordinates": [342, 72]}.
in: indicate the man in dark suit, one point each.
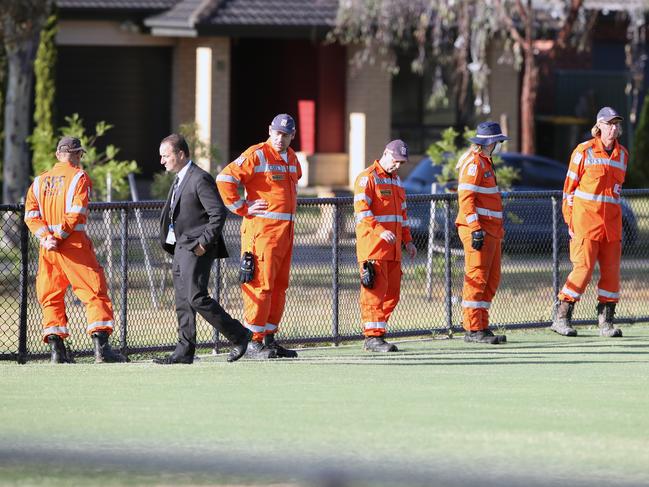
{"type": "Point", "coordinates": [190, 229]}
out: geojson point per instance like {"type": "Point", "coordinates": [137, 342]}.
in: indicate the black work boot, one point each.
{"type": "Point", "coordinates": [484, 336]}
{"type": "Point", "coordinates": [378, 344]}
{"type": "Point", "coordinates": [270, 342]}
{"type": "Point", "coordinates": [605, 314]}
{"type": "Point", "coordinates": [104, 353]}
{"type": "Point", "coordinates": [258, 351]}
{"type": "Point", "coordinates": [59, 353]}
{"type": "Point", "coordinates": [239, 348]}
{"type": "Point", "coordinates": [562, 318]}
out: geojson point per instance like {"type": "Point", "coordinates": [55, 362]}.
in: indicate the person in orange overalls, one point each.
{"type": "Point", "coordinates": [480, 226]}
{"type": "Point", "coordinates": [592, 211]}
{"type": "Point", "coordinates": [381, 229]}
{"type": "Point", "coordinates": [268, 172]}
{"type": "Point", "coordinates": [56, 210]}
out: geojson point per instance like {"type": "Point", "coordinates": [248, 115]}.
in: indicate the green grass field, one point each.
{"type": "Point", "coordinates": [539, 410]}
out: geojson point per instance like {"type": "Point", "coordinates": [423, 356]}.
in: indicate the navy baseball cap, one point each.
{"type": "Point", "coordinates": [608, 114]}
{"type": "Point", "coordinates": [283, 123]}
{"type": "Point", "coordinates": [69, 144]}
{"type": "Point", "coordinates": [398, 149]}
{"type": "Point", "coordinates": [488, 133]}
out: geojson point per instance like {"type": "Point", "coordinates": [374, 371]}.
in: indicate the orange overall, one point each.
{"type": "Point", "coordinates": [591, 208]}
{"type": "Point", "coordinates": [480, 208]}
{"type": "Point", "coordinates": [264, 174]}
{"type": "Point", "coordinates": [380, 205]}
{"type": "Point", "coordinates": [57, 204]}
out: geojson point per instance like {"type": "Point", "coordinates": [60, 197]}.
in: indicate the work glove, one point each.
{"type": "Point", "coordinates": [477, 239]}
{"type": "Point", "coordinates": [246, 268]}
{"type": "Point", "coordinates": [367, 274]}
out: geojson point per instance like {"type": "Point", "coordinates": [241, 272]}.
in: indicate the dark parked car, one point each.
{"type": "Point", "coordinates": [528, 222]}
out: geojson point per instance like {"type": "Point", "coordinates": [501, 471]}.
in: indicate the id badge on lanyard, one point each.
{"type": "Point", "coordinates": [171, 235]}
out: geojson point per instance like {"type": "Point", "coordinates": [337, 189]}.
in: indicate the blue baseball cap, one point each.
{"type": "Point", "coordinates": [283, 123]}
{"type": "Point", "coordinates": [398, 149]}
{"type": "Point", "coordinates": [608, 114]}
{"type": "Point", "coordinates": [488, 133]}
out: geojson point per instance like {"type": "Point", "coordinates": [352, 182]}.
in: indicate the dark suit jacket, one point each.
{"type": "Point", "coordinates": [198, 214]}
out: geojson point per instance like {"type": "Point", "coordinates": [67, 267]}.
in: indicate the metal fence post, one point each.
{"type": "Point", "coordinates": [430, 255]}
{"type": "Point", "coordinates": [555, 246]}
{"type": "Point", "coordinates": [335, 257]}
{"type": "Point", "coordinates": [24, 279]}
{"type": "Point", "coordinates": [447, 265]}
{"type": "Point", "coordinates": [123, 345]}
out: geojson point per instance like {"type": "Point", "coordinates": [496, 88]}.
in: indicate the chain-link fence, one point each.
{"type": "Point", "coordinates": [322, 301]}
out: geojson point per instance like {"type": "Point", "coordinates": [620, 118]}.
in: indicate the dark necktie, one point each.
{"type": "Point", "coordinates": [173, 191]}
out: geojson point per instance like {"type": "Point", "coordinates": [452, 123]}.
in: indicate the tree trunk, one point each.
{"type": "Point", "coordinates": [20, 80]}
{"type": "Point", "coordinates": [528, 102]}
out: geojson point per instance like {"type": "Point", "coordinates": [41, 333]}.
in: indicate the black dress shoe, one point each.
{"type": "Point", "coordinates": [238, 350]}
{"type": "Point", "coordinates": [170, 360]}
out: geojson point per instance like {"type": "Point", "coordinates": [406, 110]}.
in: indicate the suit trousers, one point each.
{"type": "Point", "coordinates": [191, 276]}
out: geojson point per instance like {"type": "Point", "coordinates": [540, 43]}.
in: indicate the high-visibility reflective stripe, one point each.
{"type": "Point", "coordinates": [275, 168]}
{"type": "Point", "coordinates": [607, 294]}
{"type": "Point", "coordinates": [277, 216]}
{"type": "Point", "coordinates": [261, 156]}
{"type": "Point", "coordinates": [69, 197]}
{"type": "Point", "coordinates": [32, 214]}
{"type": "Point", "coordinates": [41, 231]}
{"type": "Point", "coordinates": [374, 325]}
{"type": "Point", "coordinates": [389, 218]}
{"type": "Point", "coordinates": [56, 330]}
{"type": "Point", "coordinates": [254, 328]}
{"type": "Point", "coordinates": [489, 136]}
{"type": "Point", "coordinates": [600, 198]}
{"type": "Point", "coordinates": [271, 327]}
{"type": "Point", "coordinates": [99, 324]}
{"type": "Point", "coordinates": [224, 178]}
{"type": "Point", "coordinates": [389, 181]}
{"type": "Point", "coordinates": [570, 292]}
{"type": "Point", "coordinates": [573, 175]}
{"type": "Point", "coordinates": [477, 189]}
{"type": "Point", "coordinates": [236, 205]}
{"type": "Point", "coordinates": [36, 189]}
{"type": "Point", "coordinates": [577, 158]}
{"type": "Point", "coordinates": [472, 217]}
{"type": "Point", "coordinates": [57, 229]}
{"type": "Point", "coordinates": [569, 197]}
{"type": "Point", "coordinates": [78, 209]}
{"type": "Point", "coordinates": [491, 213]}
{"type": "Point", "coordinates": [476, 304]}
{"type": "Point", "coordinates": [405, 223]}
{"type": "Point", "coordinates": [591, 160]}
{"type": "Point", "coordinates": [363, 214]}
{"type": "Point", "coordinates": [363, 197]}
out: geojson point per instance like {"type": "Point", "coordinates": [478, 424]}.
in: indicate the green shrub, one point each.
{"type": "Point", "coordinates": [98, 164]}
{"type": "Point", "coordinates": [446, 153]}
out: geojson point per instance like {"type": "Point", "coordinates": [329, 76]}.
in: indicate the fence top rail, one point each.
{"type": "Point", "coordinates": [340, 200]}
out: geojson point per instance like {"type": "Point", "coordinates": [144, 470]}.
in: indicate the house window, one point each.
{"type": "Point", "coordinates": [413, 118]}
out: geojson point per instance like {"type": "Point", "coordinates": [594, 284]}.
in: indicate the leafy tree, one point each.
{"type": "Point", "coordinates": [457, 33]}
{"type": "Point", "coordinates": [97, 163]}
{"type": "Point", "coordinates": [21, 22]}
{"type": "Point", "coordinates": [446, 153]}
{"type": "Point", "coordinates": [639, 164]}
{"type": "Point", "coordinates": [198, 149]}
{"type": "Point", "coordinates": [45, 90]}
